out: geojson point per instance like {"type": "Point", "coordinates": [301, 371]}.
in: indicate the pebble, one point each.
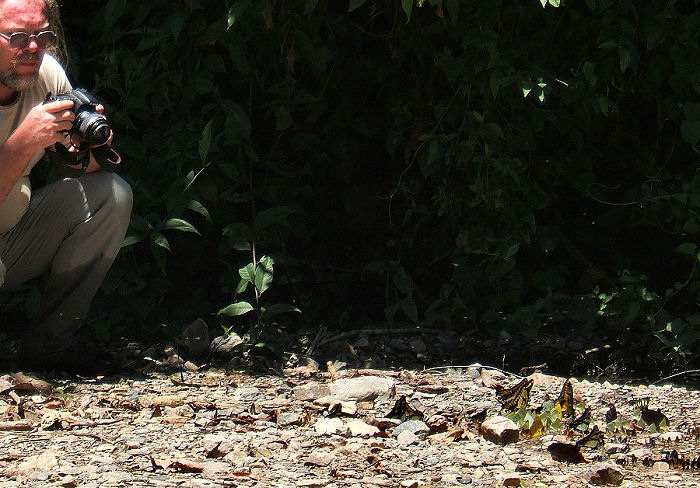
{"type": "Point", "coordinates": [215, 430]}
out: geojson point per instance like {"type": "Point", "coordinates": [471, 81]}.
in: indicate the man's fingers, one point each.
{"type": "Point", "coordinates": [57, 106]}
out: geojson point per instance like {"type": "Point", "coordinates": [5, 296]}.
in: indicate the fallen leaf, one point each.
{"type": "Point", "coordinates": [182, 465]}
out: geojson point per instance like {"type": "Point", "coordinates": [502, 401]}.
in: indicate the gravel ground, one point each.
{"type": "Point", "coordinates": [170, 424]}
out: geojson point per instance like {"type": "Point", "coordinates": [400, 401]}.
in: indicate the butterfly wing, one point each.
{"type": "Point", "coordinates": [593, 439]}
{"type": "Point", "coordinates": [516, 397]}
{"type": "Point", "coordinates": [566, 399]}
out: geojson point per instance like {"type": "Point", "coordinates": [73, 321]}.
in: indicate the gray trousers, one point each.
{"type": "Point", "coordinates": [72, 230]}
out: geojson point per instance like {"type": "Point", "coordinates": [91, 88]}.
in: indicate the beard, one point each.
{"type": "Point", "coordinates": [13, 80]}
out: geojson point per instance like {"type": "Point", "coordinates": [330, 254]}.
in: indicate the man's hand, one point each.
{"type": "Point", "coordinates": [46, 124]}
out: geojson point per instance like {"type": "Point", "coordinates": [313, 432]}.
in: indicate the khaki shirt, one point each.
{"type": "Point", "coordinates": [52, 78]}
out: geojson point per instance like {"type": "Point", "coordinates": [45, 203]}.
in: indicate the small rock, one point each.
{"type": "Point", "coordinates": [223, 346]}
{"type": "Point", "coordinates": [311, 391]}
{"type": "Point", "coordinates": [409, 484]}
{"type": "Point", "coordinates": [331, 426]}
{"type": "Point", "coordinates": [605, 475]}
{"type": "Point", "coordinates": [500, 430]}
{"type": "Point", "coordinates": [216, 445]}
{"type": "Point", "coordinates": [416, 427]}
{"type": "Point", "coordinates": [511, 479]}
{"type": "Point", "coordinates": [671, 436]}
{"type": "Point", "coordinates": [167, 401]}
{"type": "Point", "coordinates": [195, 339]}
{"type": "Point", "coordinates": [406, 438]}
{"type": "Point", "coordinates": [319, 459]}
{"type": "Point", "coordinates": [358, 428]}
{"type": "Point", "coordinates": [363, 388]}
{"type": "Point", "coordinates": [247, 394]}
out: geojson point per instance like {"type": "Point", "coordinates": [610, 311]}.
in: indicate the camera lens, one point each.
{"type": "Point", "coordinates": [93, 127]}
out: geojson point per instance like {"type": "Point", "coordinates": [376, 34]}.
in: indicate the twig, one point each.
{"type": "Point", "coordinates": [16, 425]}
{"type": "Point", "coordinates": [475, 365]}
{"type": "Point", "coordinates": [682, 373]}
{"type": "Point", "coordinates": [321, 332]}
{"type": "Point", "coordinates": [94, 436]}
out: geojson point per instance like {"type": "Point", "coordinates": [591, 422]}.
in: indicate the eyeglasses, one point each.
{"type": "Point", "coordinates": [20, 40]}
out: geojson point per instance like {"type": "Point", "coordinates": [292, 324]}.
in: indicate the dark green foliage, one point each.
{"type": "Point", "coordinates": [483, 164]}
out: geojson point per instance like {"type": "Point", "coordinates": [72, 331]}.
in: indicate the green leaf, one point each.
{"type": "Point", "coordinates": [355, 4]}
{"type": "Point", "coordinates": [235, 309]}
{"type": "Point", "coordinates": [589, 73]}
{"type": "Point", "coordinates": [687, 248]}
{"type": "Point", "coordinates": [196, 206]}
{"type": "Point", "coordinates": [205, 142]}
{"type": "Point", "coordinates": [512, 251]}
{"type": "Point", "coordinates": [264, 273]}
{"type": "Point", "coordinates": [452, 9]}
{"type": "Point", "coordinates": [624, 59]}
{"type": "Point", "coordinates": [555, 3]}
{"type": "Point", "coordinates": [160, 240]}
{"type": "Point", "coordinates": [242, 286]}
{"type": "Point", "coordinates": [277, 309]}
{"type": "Point", "coordinates": [407, 6]}
{"type": "Point", "coordinates": [248, 273]}
{"type": "Point", "coordinates": [131, 240]}
{"type": "Point", "coordinates": [236, 11]}
{"type": "Point", "coordinates": [178, 224]}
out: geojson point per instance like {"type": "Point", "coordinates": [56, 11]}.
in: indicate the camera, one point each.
{"type": "Point", "coordinates": [92, 126]}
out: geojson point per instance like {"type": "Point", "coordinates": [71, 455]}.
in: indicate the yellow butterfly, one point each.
{"type": "Point", "coordinates": [566, 400]}
{"type": "Point", "coordinates": [516, 397]}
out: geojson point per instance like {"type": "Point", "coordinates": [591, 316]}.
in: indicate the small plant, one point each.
{"type": "Point", "coordinates": [259, 274]}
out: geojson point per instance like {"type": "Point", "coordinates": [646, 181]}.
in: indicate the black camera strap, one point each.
{"type": "Point", "coordinates": [72, 164]}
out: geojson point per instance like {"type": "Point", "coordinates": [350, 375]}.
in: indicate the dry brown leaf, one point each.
{"type": "Point", "coordinates": [446, 437]}
{"type": "Point", "coordinates": [179, 464]}
{"type": "Point", "coordinates": [27, 383]}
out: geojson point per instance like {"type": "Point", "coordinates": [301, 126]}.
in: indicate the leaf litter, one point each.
{"type": "Point", "coordinates": [218, 427]}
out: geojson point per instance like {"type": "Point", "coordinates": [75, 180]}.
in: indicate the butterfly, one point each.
{"type": "Point", "coordinates": [566, 399]}
{"type": "Point", "coordinates": [593, 439]}
{"type": "Point", "coordinates": [611, 414]}
{"type": "Point", "coordinates": [649, 416]}
{"type": "Point", "coordinates": [584, 418]}
{"type": "Point", "coordinates": [516, 397]}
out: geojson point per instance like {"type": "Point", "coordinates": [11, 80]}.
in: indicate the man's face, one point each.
{"type": "Point", "coordinates": [19, 68]}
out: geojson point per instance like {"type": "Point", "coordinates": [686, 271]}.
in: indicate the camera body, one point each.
{"type": "Point", "coordinates": [92, 126]}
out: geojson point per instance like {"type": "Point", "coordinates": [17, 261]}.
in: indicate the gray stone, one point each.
{"type": "Point", "coordinates": [363, 388]}
{"type": "Point", "coordinates": [415, 427]}
{"type": "Point", "coordinates": [223, 346]}
{"type": "Point", "coordinates": [194, 339]}
{"type": "Point", "coordinates": [311, 391]}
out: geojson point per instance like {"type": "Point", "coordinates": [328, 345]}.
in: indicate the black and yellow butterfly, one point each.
{"type": "Point", "coordinates": [649, 416]}
{"type": "Point", "coordinates": [593, 439]}
{"type": "Point", "coordinates": [516, 397]}
{"type": "Point", "coordinates": [584, 418]}
{"type": "Point", "coordinates": [566, 400]}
